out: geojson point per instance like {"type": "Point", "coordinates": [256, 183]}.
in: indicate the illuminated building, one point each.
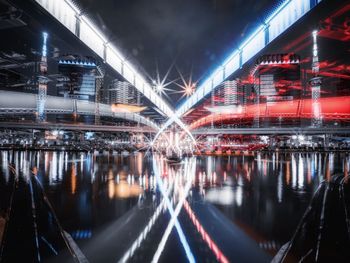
{"type": "Point", "coordinates": [315, 83]}
{"type": "Point", "coordinates": [121, 92]}
{"type": "Point", "coordinates": [79, 78]}
{"type": "Point", "coordinates": [229, 92]}
{"type": "Point", "coordinates": [278, 77]}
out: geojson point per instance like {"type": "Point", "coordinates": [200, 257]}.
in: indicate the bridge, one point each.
{"type": "Point", "coordinates": [69, 15]}
{"type": "Point", "coordinates": [287, 14]}
{"type": "Point", "coordinates": [75, 127]}
{"type": "Point", "coordinates": [26, 103]}
{"type": "Point", "coordinates": [272, 131]}
{"type": "Point", "coordinates": [275, 25]}
{"type": "Point", "coordinates": [332, 108]}
{"type": "Point", "coordinates": [79, 25]}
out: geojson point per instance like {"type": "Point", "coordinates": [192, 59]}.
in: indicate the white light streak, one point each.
{"type": "Point", "coordinates": [174, 214]}
{"type": "Point", "coordinates": [144, 233]}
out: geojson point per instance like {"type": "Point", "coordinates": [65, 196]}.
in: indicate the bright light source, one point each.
{"type": "Point", "coordinates": [159, 88]}
{"type": "Point", "coordinates": [264, 138]}
{"type": "Point", "coordinates": [189, 89]}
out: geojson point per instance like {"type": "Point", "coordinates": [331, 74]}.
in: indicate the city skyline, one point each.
{"type": "Point", "coordinates": [174, 131]}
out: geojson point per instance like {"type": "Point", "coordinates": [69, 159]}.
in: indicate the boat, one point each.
{"type": "Point", "coordinates": [173, 159]}
{"type": "Point", "coordinates": [173, 154]}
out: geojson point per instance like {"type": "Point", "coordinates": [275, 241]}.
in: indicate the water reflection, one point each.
{"type": "Point", "coordinates": [264, 195]}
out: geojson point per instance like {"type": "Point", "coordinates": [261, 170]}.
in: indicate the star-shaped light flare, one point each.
{"type": "Point", "coordinates": [160, 85]}
{"type": "Point", "coordinates": [187, 87]}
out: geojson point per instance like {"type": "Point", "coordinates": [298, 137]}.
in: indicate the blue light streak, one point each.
{"type": "Point", "coordinates": [44, 51]}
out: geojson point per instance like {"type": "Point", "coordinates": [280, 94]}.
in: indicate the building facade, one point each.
{"type": "Point", "coordinates": [278, 78]}
{"type": "Point", "coordinates": [121, 92]}
{"type": "Point", "coordinates": [78, 78]}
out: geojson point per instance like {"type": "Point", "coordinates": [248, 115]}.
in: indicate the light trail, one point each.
{"type": "Point", "coordinates": [34, 216]}
{"type": "Point", "coordinates": [205, 236]}
{"type": "Point", "coordinates": [174, 221]}
{"type": "Point", "coordinates": [170, 121]}
{"type": "Point", "coordinates": [142, 236]}
{"type": "Point", "coordinates": [332, 108]}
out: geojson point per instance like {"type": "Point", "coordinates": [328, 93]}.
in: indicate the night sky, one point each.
{"type": "Point", "coordinates": [195, 35]}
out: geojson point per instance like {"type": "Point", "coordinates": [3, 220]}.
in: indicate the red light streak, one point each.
{"type": "Point", "coordinates": [211, 244]}
{"type": "Point", "coordinates": [330, 74]}
{"type": "Point", "coordinates": [337, 27]}
{"type": "Point", "coordinates": [303, 46]}
{"type": "Point", "coordinates": [332, 108]}
{"type": "Point", "coordinates": [296, 42]}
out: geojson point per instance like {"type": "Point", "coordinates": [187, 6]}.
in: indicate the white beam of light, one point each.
{"type": "Point", "coordinates": [170, 121]}
{"type": "Point", "coordinates": [142, 236]}
{"type": "Point", "coordinates": [174, 221]}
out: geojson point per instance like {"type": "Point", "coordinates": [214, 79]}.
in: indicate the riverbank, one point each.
{"type": "Point", "coordinates": [278, 150]}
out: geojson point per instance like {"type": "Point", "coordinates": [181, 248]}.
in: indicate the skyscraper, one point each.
{"type": "Point", "coordinates": [228, 93]}
{"type": "Point", "coordinates": [121, 92]}
{"type": "Point", "coordinates": [80, 75]}
{"type": "Point", "coordinates": [278, 77]}
{"type": "Point", "coordinates": [315, 83]}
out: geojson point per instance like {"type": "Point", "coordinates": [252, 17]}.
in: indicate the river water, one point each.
{"type": "Point", "coordinates": [138, 208]}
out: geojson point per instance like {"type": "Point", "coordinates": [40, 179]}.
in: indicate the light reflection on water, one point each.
{"type": "Point", "coordinates": [265, 194]}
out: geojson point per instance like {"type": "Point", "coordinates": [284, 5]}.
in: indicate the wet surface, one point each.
{"type": "Point", "coordinates": [136, 208]}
